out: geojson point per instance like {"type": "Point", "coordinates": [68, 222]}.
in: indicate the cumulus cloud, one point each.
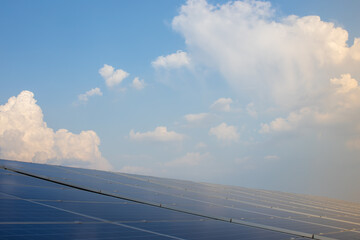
{"type": "Point", "coordinates": [191, 118]}
{"type": "Point", "coordinates": [355, 50]}
{"type": "Point", "coordinates": [160, 134]}
{"type": "Point", "coordinates": [344, 84]}
{"type": "Point", "coordinates": [111, 76]}
{"type": "Point", "coordinates": [291, 68]}
{"type": "Point", "coordinates": [291, 122]}
{"type": "Point", "coordinates": [93, 92]}
{"type": "Point", "coordinates": [222, 104]}
{"type": "Point", "coordinates": [175, 60]}
{"type": "Point", "coordinates": [24, 136]}
{"type": "Point", "coordinates": [283, 60]}
{"type": "Point", "coordinates": [138, 84]}
{"type": "Point", "coordinates": [340, 105]}
{"type": "Point", "coordinates": [190, 159]}
{"type": "Point", "coordinates": [225, 132]}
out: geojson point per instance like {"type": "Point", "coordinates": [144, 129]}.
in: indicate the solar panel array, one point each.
{"type": "Point", "coordinates": [40, 201]}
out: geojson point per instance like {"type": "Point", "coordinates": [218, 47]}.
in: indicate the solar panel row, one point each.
{"type": "Point", "coordinates": [291, 215]}
{"type": "Point", "coordinates": [30, 211]}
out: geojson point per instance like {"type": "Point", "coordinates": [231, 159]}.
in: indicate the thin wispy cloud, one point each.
{"type": "Point", "coordinates": [93, 92]}
{"type": "Point", "coordinates": [190, 159]}
{"type": "Point", "coordinates": [160, 134]}
{"type": "Point", "coordinates": [272, 157]}
{"type": "Point", "coordinates": [196, 118]}
{"type": "Point", "coordinates": [222, 104]}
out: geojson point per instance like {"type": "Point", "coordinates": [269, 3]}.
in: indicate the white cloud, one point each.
{"type": "Point", "coordinates": [190, 159]}
{"type": "Point", "coordinates": [279, 60]}
{"type": "Point", "coordinates": [340, 105]}
{"type": "Point", "coordinates": [138, 84]}
{"type": "Point", "coordinates": [160, 134]}
{"type": "Point", "coordinates": [111, 76]}
{"type": "Point", "coordinates": [85, 96]}
{"type": "Point", "coordinates": [224, 132]}
{"type": "Point", "coordinates": [24, 136]}
{"type": "Point", "coordinates": [345, 83]}
{"type": "Point", "coordinates": [175, 60]}
{"type": "Point", "coordinates": [195, 117]}
{"type": "Point", "coordinates": [283, 65]}
{"type": "Point", "coordinates": [304, 117]}
{"type": "Point", "coordinates": [222, 104]}
{"type": "Point", "coordinates": [289, 123]}
{"type": "Point", "coordinates": [355, 49]}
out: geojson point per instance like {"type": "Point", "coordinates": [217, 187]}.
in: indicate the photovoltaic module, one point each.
{"type": "Point", "coordinates": [39, 201]}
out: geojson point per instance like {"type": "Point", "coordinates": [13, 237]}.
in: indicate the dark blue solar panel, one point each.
{"type": "Point", "coordinates": [324, 217]}
{"type": "Point", "coordinates": [72, 231]}
{"type": "Point", "coordinates": [15, 210]}
{"type": "Point", "coordinates": [36, 209]}
{"type": "Point", "coordinates": [211, 229]}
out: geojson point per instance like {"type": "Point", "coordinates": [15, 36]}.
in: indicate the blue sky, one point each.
{"type": "Point", "coordinates": [241, 93]}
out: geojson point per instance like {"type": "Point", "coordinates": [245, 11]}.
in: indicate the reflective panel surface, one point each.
{"type": "Point", "coordinates": [76, 199]}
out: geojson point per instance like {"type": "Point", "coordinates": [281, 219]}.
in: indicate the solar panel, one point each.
{"type": "Point", "coordinates": [73, 199]}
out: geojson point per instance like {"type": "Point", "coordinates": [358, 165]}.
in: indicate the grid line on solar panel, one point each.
{"type": "Point", "coordinates": [169, 222]}
{"type": "Point", "coordinates": [227, 198]}
{"type": "Point", "coordinates": [35, 192]}
{"type": "Point", "coordinates": [316, 207]}
{"type": "Point", "coordinates": [346, 213]}
{"type": "Point", "coordinates": [47, 222]}
{"type": "Point", "coordinates": [336, 204]}
{"type": "Point", "coordinates": [297, 197]}
{"type": "Point", "coordinates": [81, 231]}
{"type": "Point", "coordinates": [277, 237]}
{"type": "Point", "coordinates": [217, 218]}
{"type": "Point", "coordinates": [82, 222]}
{"type": "Point", "coordinates": [246, 202]}
{"type": "Point", "coordinates": [343, 235]}
{"type": "Point", "coordinates": [97, 218]}
{"type": "Point", "coordinates": [258, 205]}
{"type": "Point", "coordinates": [82, 204]}
{"type": "Point", "coordinates": [217, 233]}
{"type": "Point", "coordinates": [25, 212]}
